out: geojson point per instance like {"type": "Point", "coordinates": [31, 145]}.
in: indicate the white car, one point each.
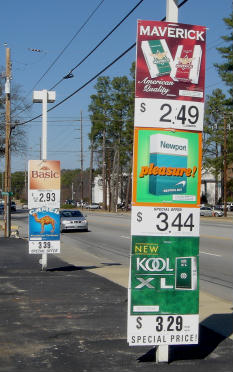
{"type": "Point", "coordinates": [93, 206]}
{"type": "Point", "coordinates": [210, 212]}
{"type": "Point", "coordinates": [71, 219]}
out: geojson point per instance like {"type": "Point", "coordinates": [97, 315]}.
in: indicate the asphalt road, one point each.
{"type": "Point", "coordinates": [108, 239]}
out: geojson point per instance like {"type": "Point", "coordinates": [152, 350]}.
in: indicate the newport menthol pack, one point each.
{"type": "Point", "coordinates": [168, 164]}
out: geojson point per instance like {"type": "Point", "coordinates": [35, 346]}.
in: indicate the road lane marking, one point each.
{"type": "Point", "coordinates": [214, 237]}
{"type": "Point", "coordinates": [125, 237]}
{"type": "Point", "coordinates": [211, 254]}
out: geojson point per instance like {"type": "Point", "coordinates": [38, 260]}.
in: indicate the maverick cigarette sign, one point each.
{"type": "Point", "coordinates": [170, 61]}
{"type": "Point", "coordinates": [167, 168]}
{"type": "Point", "coordinates": [170, 75]}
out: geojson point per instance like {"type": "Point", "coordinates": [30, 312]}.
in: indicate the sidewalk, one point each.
{"type": "Point", "coordinates": [69, 319]}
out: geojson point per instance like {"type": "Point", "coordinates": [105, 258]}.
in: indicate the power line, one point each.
{"type": "Point", "coordinates": [68, 44]}
{"type": "Point", "coordinates": [94, 77]}
{"type": "Point", "coordinates": [97, 46]}
{"type": "Point", "coordinates": [63, 50]}
{"type": "Point", "coordinates": [69, 75]}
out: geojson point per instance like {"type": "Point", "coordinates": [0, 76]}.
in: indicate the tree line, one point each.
{"type": "Point", "coordinates": [111, 137]}
{"type": "Point", "coordinates": [111, 111]}
{"type": "Point", "coordinates": [218, 122]}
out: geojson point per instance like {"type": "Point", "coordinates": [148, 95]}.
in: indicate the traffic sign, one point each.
{"type": "Point", "coordinates": [10, 193]}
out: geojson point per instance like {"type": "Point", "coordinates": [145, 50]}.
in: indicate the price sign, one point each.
{"type": "Point", "coordinates": [38, 198]}
{"type": "Point", "coordinates": [163, 329]}
{"type": "Point", "coordinates": [45, 246]}
{"type": "Point", "coordinates": [161, 113]}
{"type": "Point", "coordinates": [44, 230]}
{"type": "Point", "coordinates": [163, 295]}
{"type": "Point", "coordinates": [164, 290]}
{"type": "Point", "coordinates": [44, 178]}
{"type": "Point", "coordinates": [165, 221]}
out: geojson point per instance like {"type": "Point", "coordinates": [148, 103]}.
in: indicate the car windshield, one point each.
{"type": "Point", "coordinates": [71, 214]}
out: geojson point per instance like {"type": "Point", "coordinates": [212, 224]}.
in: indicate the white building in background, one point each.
{"type": "Point", "coordinates": [208, 186]}
{"type": "Point", "coordinates": [97, 190]}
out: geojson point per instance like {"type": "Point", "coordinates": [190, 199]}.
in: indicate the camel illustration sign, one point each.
{"type": "Point", "coordinates": [44, 202]}
{"type": "Point", "coordinates": [44, 230]}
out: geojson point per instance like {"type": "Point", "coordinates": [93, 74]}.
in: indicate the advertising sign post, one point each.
{"type": "Point", "coordinates": [164, 263]}
{"type": "Point", "coordinates": [44, 97]}
{"type": "Point", "coordinates": [44, 203]}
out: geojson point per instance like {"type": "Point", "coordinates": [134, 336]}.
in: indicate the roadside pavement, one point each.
{"type": "Point", "coordinates": [69, 319]}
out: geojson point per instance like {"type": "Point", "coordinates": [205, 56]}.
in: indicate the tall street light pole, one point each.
{"type": "Point", "coordinates": [44, 97]}
{"type": "Point", "coordinates": [7, 197]}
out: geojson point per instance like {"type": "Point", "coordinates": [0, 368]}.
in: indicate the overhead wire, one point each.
{"type": "Point", "coordinates": [100, 43]}
{"type": "Point", "coordinates": [68, 44]}
{"type": "Point", "coordinates": [63, 50]}
{"type": "Point", "coordinates": [94, 77]}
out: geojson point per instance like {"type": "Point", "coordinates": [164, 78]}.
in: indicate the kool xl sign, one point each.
{"type": "Point", "coordinates": [44, 203]}
{"type": "Point", "coordinates": [169, 104]}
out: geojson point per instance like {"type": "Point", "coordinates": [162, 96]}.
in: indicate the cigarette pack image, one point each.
{"type": "Point", "coordinates": [186, 273]}
{"type": "Point", "coordinates": [169, 154]}
{"type": "Point", "coordinates": [186, 65]}
{"type": "Point", "coordinates": [157, 56]}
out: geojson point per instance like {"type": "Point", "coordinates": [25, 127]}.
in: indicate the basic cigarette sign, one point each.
{"type": "Point", "coordinates": [44, 178]}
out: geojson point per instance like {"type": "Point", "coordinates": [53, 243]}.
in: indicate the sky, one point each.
{"type": "Point", "coordinates": [56, 28]}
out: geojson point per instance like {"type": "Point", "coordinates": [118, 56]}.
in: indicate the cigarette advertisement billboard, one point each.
{"type": "Point", "coordinates": [44, 230]}
{"type": "Point", "coordinates": [44, 178]}
{"type": "Point", "coordinates": [164, 286]}
{"type": "Point", "coordinates": [170, 75]}
{"type": "Point", "coordinates": [167, 168]}
{"type": "Point", "coordinates": [163, 293]}
{"type": "Point", "coordinates": [170, 61]}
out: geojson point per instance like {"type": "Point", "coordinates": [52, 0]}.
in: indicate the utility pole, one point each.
{"type": "Point", "coordinates": [7, 198]}
{"type": "Point", "coordinates": [81, 149]}
{"type": "Point", "coordinates": [104, 170]}
{"type": "Point", "coordinates": [91, 173]}
{"type": "Point", "coordinates": [72, 191]}
{"type": "Point", "coordinates": [162, 351]}
{"type": "Point", "coordinates": [225, 166]}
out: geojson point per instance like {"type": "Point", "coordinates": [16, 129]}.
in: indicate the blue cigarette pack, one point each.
{"type": "Point", "coordinates": [168, 154]}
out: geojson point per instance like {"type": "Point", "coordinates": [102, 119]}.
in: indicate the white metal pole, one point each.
{"type": "Point", "coordinates": [44, 258]}
{"type": "Point", "coordinates": [172, 11]}
{"type": "Point", "coordinates": [162, 352]}
{"type": "Point", "coordinates": [44, 124]}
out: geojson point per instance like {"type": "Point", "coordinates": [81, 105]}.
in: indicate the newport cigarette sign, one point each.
{"type": "Point", "coordinates": [167, 168]}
